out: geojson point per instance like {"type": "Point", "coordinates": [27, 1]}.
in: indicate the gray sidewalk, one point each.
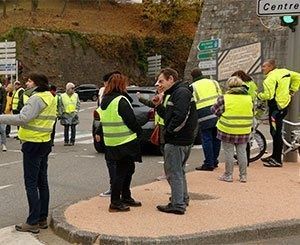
{"type": "Point", "coordinates": [266, 206]}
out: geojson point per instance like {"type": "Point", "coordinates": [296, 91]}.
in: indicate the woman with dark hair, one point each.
{"type": "Point", "coordinates": [120, 132]}
{"type": "Point", "coordinates": [36, 121]}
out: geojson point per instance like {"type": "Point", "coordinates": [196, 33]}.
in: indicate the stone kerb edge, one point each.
{"type": "Point", "coordinates": [244, 233]}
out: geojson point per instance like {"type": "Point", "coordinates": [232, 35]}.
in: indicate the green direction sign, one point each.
{"type": "Point", "coordinates": [206, 55]}
{"type": "Point", "coordinates": [209, 44]}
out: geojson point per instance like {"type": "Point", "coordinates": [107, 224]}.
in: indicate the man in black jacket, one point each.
{"type": "Point", "coordinates": [180, 117]}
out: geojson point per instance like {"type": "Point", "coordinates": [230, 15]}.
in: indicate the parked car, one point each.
{"type": "Point", "coordinates": [144, 115]}
{"type": "Point", "coordinates": [87, 92]}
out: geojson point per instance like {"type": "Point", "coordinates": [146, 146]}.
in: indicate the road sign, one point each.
{"type": "Point", "coordinates": [154, 65]}
{"type": "Point", "coordinates": [278, 7]}
{"type": "Point", "coordinates": [210, 44]}
{"type": "Point", "coordinates": [207, 64]}
{"type": "Point", "coordinates": [206, 55]}
{"type": "Point", "coordinates": [209, 72]}
{"type": "Point", "coordinates": [7, 44]}
{"type": "Point", "coordinates": [3, 56]}
{"type": "Point", "coordinates": [247, 58]}
{"type": "Point", "coordinates": [7, 61]}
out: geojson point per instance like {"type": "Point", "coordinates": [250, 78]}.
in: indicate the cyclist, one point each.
{"type": "Point", "coordinates": [276, 90]}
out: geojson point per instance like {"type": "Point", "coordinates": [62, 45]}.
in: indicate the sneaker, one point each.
{"type": "Point", "coordinates": [106, 193]}
{"type": "Point", "coordinates": [4, 148]}
{"type": "Point", "coordinates": [272, 163]}
{"type": "Point", "coordinates": [66, 144]}
{"type": "Point", "coordinates": [243, 179]}
{"type": "Point", "coordinates": [24, 227]}
{"type": "Point", "coordinates": [43, 224]}
{"type": "Point", "coordinates": [161, 162]}
{"type": "Point", "coordinates": [226, 178]}
{"type": "Point", "coordinates": [266, 159]}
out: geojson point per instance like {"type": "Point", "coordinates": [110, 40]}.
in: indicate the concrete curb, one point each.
{"type": "Point", "coordinates": [233, 235]}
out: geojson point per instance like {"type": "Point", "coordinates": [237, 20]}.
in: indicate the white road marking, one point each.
{"type": "Point", "coordinates": [4, 186]}
{"type": "Point", "coordinates": [9, 163]}
{"type": "Point", "coordinates": [88, 108]}
{"type": "Point", "coordinates": [85, 156]}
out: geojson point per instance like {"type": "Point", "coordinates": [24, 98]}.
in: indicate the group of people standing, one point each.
{"type": "Point", "coordinates": [222, 117]}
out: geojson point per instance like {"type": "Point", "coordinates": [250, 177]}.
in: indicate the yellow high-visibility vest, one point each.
{"type": "Point", "coordinates": [15, 100]}
{"type": "Point", "coordinates": [115, 131]}
{"type": "Point", "coordinates": [206, 92]}
{"type": "Point", "coordinates": [69, 102]}
{"type": "Point", "coordinates": [238, 115]}
{"type": "Point", "coordinates": [158, 119]}
{"type": "Point", "coordinates": [40, 128]}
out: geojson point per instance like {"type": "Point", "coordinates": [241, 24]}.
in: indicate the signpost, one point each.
{"type": "Point", "coordinates": [154, 65]}
{"type": "Point", "coordinates": [8, 62]}
{"type": "Point", "coordinates": [278, 7]}
{"type": "Point", "coordinates": [208, 56]}
{"type": "Point", "coordinates": [247, 58]}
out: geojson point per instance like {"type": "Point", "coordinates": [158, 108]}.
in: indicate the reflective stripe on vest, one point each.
{"type": "Point", "coordinates": [205, 93]}
{"type": "Point", "coordinates": [115, 131]}
{"type": "Point", "coordinates": [40, 128]}
{"type": "Point", "coordinates": [238, 115]}
{"type": "Point", "coordinates": [69, 102]}
{"type": "Point", "coordinates": [15, 100]}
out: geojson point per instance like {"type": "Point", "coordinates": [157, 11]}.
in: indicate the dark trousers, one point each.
{"type": "Point", "coordinates": [275, 119]}
{"type": "Point", "coordinates": [121, 184]}
{"type": "Point", "coordinates": [211, 146]}
{"type": "Point", "coordinates": [111, 166]}
{"type": "Point", "coordinates": [53, 132]}
{"type": "Point", "coordinates": [35, 165]}
{"type": "Point", "coordinates": [73, 133]}
{"type": "Point", "coordinates": [7, 130]}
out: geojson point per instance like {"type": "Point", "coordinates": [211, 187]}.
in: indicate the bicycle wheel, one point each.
{"type": "Point", "coordinates": [258, 146]}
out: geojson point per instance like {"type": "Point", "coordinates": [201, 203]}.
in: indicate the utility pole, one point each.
{"type": "Point", "coordinates": [293, 63]}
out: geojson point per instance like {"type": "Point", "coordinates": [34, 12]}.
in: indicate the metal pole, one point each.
{"type": "Point", "coordinates": [293, 63]}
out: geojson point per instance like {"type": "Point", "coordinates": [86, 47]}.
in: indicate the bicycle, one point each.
{"type": "Point", "coordinates": [293, 143]}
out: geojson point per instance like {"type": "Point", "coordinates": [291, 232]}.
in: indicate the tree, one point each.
{"type": "Point", "coordinates": [64, 8]}
{"type": "Point", "coordinates": [4, 9]}
{"type": "Point", "coordinates": [34, 5]}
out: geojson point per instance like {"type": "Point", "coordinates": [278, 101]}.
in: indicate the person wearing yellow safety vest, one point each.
{"type": "Point", "coordinates": [205, 93]}
{"type": "Point", "coordinates": [68, 108]}
{"type": "Point", "coordinates": [36, 120]}
{"type": "Point", "coordinates": [120, 131]}
{"type": "Point", "coordinates": [252, 91]}
{"type": "Point", "coordinates": [276, 90]}
{"type": "Point", "coordinates": [17, 98]}
{"type": "Point", "coordinates": [235, 112]}
{"type": "Point", "coordinates": [17, 102]}
{"type": "Point", "coordinates": [8, 107]}
{"type": "Point", "coordinates": [52, 89]}
{"type": "Point", "coordinates": [180, 119]}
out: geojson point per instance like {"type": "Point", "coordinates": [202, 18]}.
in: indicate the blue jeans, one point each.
{"type": "Point", "coordinates": [175, 157]}
{"type": "Point", "coordinates": [73, 133]}
{"type": "Point", "coordinates": [35, 165]}
{"type": "Point", "coordinates": [211, 146]}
